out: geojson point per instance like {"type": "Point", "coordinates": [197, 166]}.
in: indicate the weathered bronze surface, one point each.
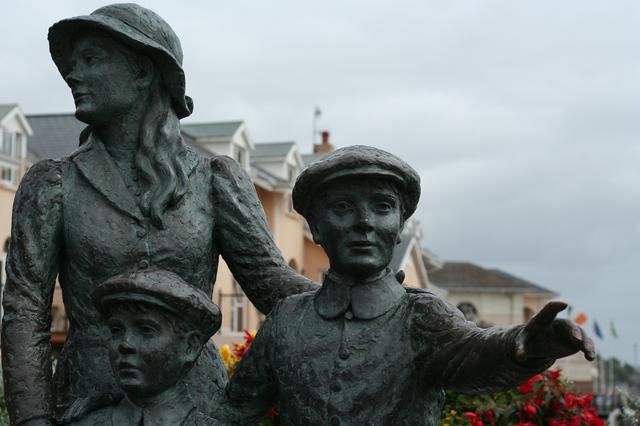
{"type": "Point", "coordinates": [159, 325]}
{"type": "Point", "coordinates": [363, 349]}
{"type": "Point", "coordinates": [132, 197]}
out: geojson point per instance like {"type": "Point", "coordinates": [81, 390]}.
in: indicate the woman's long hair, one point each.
{"type": "Point", "coordinates": [161, 155]}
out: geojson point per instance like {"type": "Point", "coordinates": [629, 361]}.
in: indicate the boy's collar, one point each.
{"type": "Point", "coordinates": [367, 299]}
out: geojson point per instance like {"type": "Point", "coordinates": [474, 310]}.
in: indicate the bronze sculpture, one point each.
{"type": "Point", "coordinates": [158, 325]}
{"type": "Point", "coordinates": [133, 196]}
{"type": "Point", "coordinates": [363, 349]}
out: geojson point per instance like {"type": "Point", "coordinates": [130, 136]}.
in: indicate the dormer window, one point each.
{"type": "Point", "coordinates": [6, 144]}
{"type": "Point", "coordinates": [18, 141]}
{"type": "Point", "coordinates": [11, 144]}
{"type": "Point", "coordinates": [239, 155]}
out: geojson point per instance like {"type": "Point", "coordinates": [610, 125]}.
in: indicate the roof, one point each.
{"type": "Point", "coordinates": [465, 276]}
{"type": "Point", "coordinates": [6, 109]}
{"type": "Point", "coordinates": [310, 158]}
{"type": "Point", "coordinates": [220, 129]}
{"type": "Point", "coordinates": [400, 251]}
{"type": "Point", "coordinates": [267, 177]}
{"type": "Point", "coordinates": [54, 135]}
{"type": "Point", "coordinates": [272, 149]}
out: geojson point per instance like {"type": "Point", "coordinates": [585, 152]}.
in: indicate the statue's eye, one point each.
{"type": "Point", "coordinates": [383, 207]}
{"type": "Point", "coordinates": [148, 330]}
{"type": "Point", "coordinates": [115, 330]}
{"type": "Point", "coordinates": [91, 59]}
{"type": "Point", "coordinates": [342, 206]}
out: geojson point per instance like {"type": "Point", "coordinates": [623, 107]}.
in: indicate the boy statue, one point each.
{"type": "Point", "coordinates": [159, 325]}
{"type": "Point", "coordinates": [363, 349]}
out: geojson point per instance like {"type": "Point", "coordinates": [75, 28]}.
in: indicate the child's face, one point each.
{"type": "Point", "coordinates": [147, 355]}
{"type": "Point", "coordinates": [357, 222]}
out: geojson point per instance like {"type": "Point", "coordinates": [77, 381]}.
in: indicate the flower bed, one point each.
{"type": "Point", "coordinates": [545, 399]}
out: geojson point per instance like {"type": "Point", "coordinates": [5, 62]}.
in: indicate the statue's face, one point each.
{"type": "Point", "coordinates": [147, 355]}
{"type": "Point", "coordinates": [357, 222]}
{"type": "Point", "coordinates": [103, 82]}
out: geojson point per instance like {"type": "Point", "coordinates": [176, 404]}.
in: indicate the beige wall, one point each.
{"type": "Point", "coordinates": [411, 268]}
{"type": "Point", "coordinates": [499, 309]}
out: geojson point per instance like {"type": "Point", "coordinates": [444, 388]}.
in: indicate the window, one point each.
{"type": "Point", "coordinates": [239, 157]}
{"type": "Point", "coordinates": [238, 313]}
{"type": "Point", "coordinates": [6, 144]}
{"type": "Point", "coordinates": [17, 152]}
{"type": "Point", "coordinates": [238, 309]}
{"type": "Point", "coordinates": [9, 174]}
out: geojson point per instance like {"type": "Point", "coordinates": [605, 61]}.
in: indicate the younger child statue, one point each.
{"type": "Point", "coordinates": [363, 349]}
{"type": "Point", "coordinates": [159, 325]}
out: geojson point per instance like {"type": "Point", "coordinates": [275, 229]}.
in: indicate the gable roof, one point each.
{"type": "Point", "coordinates": [54, 135]}
{"type": "Point", "coordinates": [220, 129]}
{"type": "Point", "coordinates": [6, 109]}
{"type": "Point", "coordinates": [400, 251]}
{"type": "Point", "coordinates": [272, 149]}
{"type": "Point", "coordinates": [465, 276]}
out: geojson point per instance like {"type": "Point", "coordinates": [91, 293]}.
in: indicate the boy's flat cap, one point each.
{"type": "Point", "coordinates": [356, 161]}
{"type": "Point", "coordinates": [163, 289]}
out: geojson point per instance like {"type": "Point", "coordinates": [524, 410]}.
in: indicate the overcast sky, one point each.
{"type": "Point", "coordinates": [522, 118]}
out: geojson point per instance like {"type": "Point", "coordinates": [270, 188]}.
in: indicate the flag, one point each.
{"type": "Point", "coordinates": [580, 319]}
{"type": "Point", "coordinates": [317, 112]}
{"type": "Point", "coordinates": [597, 331]}
{"type": "Point", "coordinates": [614, 332]}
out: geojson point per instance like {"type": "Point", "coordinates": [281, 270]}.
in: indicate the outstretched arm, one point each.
{"type": "Point", "coordinates": [456, 354]}
{"type": "Point", "coordinates": [31, 272]}
{"type": "Point", "coordinates": [246, 244]}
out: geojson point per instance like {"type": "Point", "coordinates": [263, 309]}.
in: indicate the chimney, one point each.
{"type": "Point", "coordinates": [325, 146]}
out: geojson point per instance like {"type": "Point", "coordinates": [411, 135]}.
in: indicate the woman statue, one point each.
{"type": "Point", "coordinates": [132, 197]}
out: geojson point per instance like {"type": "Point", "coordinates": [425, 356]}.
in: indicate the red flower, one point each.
{"type": "Point", "coordinates": [569, 400]}
{"type": "Point", "coordinates": [574, 421]}
{"type": "Point", "coordinates": [524, 424]}
{"type": "Point", "coordinates": [490, 415]}
{"type": "Point", "coordinates": [527, 386]}
{"type": "Point", "coordinates": [471, 416]}
{"type": "Point", "coordinates": [529, 410]}
{"type": "Point", "coordinates": [539, 399]}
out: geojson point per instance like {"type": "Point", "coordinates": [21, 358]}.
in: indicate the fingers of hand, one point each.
{"type": "Point", "coordinates": [546, 315]}
{"type": "Point", "coordinates": [567, 330]}
{"type": "Point", "coordinates": [588, 347]}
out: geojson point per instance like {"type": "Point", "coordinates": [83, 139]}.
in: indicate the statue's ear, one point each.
{"type": "Point", "coordinates": [399, 237]}
{"type": "Point", "coordinates": [315, 232]}
{"type": "Point", "coordinates": [193, 346]}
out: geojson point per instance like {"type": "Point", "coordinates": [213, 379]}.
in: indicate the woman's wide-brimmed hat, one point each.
{"type": "Point", "coordinates": [137, 27]}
